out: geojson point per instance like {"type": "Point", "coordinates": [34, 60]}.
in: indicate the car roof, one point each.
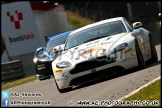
{"type": "Point", "coordinates": [98, 23]}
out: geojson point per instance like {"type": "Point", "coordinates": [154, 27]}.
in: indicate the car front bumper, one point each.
{"type": "Point", "coordinates": [65, 78]}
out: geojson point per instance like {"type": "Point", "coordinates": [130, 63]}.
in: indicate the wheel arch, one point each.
{"type": "Point", "coordinates": [150, 35]}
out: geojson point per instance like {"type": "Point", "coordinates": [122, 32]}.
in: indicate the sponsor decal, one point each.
{"type": "Point", "coordinates": [133, 56]}
{"type": "Point", "coordinates": [22, 38]}
{"type": "Point", "coordinates": [127, 50]}
{"type": "Point", "coordinates": [42, 66]}
{"type": "Point", "coordinates": [104, 43]}
{"type": "Point", "coordinates": [60, 79]}
{"type": "Point", "coordinates": [94, 42]}
{"type": "Point", "coordinates": [146, 41]}
{"type": "Point", "coordinates": [91, 45]}
{"type": "Point", "coordinates": [58, 71]}
{"type": "Point", "coordinates": [77, 58]}
{"type": "Point", "coordinates": [64, 76]}
{"type": "Point", "coordinates": [89, 51]}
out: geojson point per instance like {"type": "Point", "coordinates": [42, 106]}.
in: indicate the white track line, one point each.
{"type": "Point", "coordinates": [135, 91]}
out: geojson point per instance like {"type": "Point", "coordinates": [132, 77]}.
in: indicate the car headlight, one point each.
{"type": "Point", "coordinates": [35, 59]}
{"type": "Point", "coordinates": [119, 48]}
{"type": "Point", "coordinates": [40, 54]}
{"type": "Point", "coordinates": [63, 64]}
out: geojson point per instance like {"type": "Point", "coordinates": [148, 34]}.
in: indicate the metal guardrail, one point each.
{"type": "Point", "coordinates": [11, 70]}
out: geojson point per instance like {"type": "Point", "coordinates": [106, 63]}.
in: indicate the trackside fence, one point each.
{"type": "Point", "coordinates": [12, 70]}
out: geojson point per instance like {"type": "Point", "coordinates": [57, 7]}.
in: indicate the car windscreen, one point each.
{"type": "Point", "coordinates": [95, 32]}
{"type": "Point", "coordinates": [56, 42]}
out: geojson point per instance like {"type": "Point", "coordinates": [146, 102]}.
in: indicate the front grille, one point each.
{"type": "Point", "coordinates": [49, 65]}
{"type": "Point", "coordinates": [95, 75]}
{"type": "Point", "coordinates": [46, 71]}
{"type": "Point", "coordinates": [87, 65]}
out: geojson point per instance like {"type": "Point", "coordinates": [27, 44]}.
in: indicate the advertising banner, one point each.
{"type": "Point", "coordinates": [19, 28]}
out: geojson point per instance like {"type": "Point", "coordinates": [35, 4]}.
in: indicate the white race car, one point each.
{"type": "Point", "coordinates": [102, 49]}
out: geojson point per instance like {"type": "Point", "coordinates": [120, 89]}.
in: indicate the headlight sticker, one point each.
{"type": "Point", "coordinates": [127, 50]}
{"type": "Point", "coordinates": [58, 71]}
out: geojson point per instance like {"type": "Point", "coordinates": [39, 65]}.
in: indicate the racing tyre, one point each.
{"type": "Point", "coordinates": [47, 77]}
{"type": "Point", "coordinates": [141, 62]}
{"type": "Point", "coordinates": [40, 79]}
{"type": "Point", "coordinates": [63, 90]}
{"type": "Point", "coordinates": [154, 57]}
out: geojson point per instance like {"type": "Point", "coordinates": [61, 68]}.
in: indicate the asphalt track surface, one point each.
{"type": "Point", "coordinates": [110, 88]}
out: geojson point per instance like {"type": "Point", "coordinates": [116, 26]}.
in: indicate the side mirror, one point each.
{"type": "Point", "coordinates": [137, 25]}
{"type": "Point", "coordinates": [39, 51]}
{"type": "Point", "coordinates": [58, 48]}
{"type": "Point", "coordinates": [40, 48]}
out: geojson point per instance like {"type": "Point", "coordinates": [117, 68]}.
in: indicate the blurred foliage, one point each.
{"type": "Point", "coordinates": [76, 21]}
{"type": "Point", "coordinates": [155, 29]}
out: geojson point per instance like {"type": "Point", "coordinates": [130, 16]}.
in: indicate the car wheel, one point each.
{"type": "Point", "coordinates": [48, 77]}
{"type": "Point", "coordinates": [63, 90]}
{"type": "Point", "coordinates": [154, 57]}
{"type": "Point", "coordinates": [141, 62]}
{"type": "Point", "coordinates": [41, 79]}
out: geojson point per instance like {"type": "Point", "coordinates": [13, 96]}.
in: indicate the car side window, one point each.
{"type": "Point", "coordinates": [130, 25]}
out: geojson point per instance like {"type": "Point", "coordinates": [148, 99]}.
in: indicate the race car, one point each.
{"type": "Point", "coordinates": [44, 56]}
{"type": "Point", "coordinates": [102, 49]}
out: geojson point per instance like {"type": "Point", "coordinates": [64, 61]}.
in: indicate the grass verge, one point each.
{"type": "Point", "coordinates": [10, 84]}
{"type": "Point", "coordinates": [149, 96]}
{"type": "Point", "coordinates": [76, 21]}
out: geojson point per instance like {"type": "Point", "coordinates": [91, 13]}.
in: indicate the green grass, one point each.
{"type": "Point", "coordinates": [149, 93]}
{"type": "Point", "coordinates": [76, 21]}
{"type": "Point", "coordinates": [18, 82]}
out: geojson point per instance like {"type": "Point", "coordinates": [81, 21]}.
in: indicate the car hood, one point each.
{"type": "Point", "coordinates": [92, 49]}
